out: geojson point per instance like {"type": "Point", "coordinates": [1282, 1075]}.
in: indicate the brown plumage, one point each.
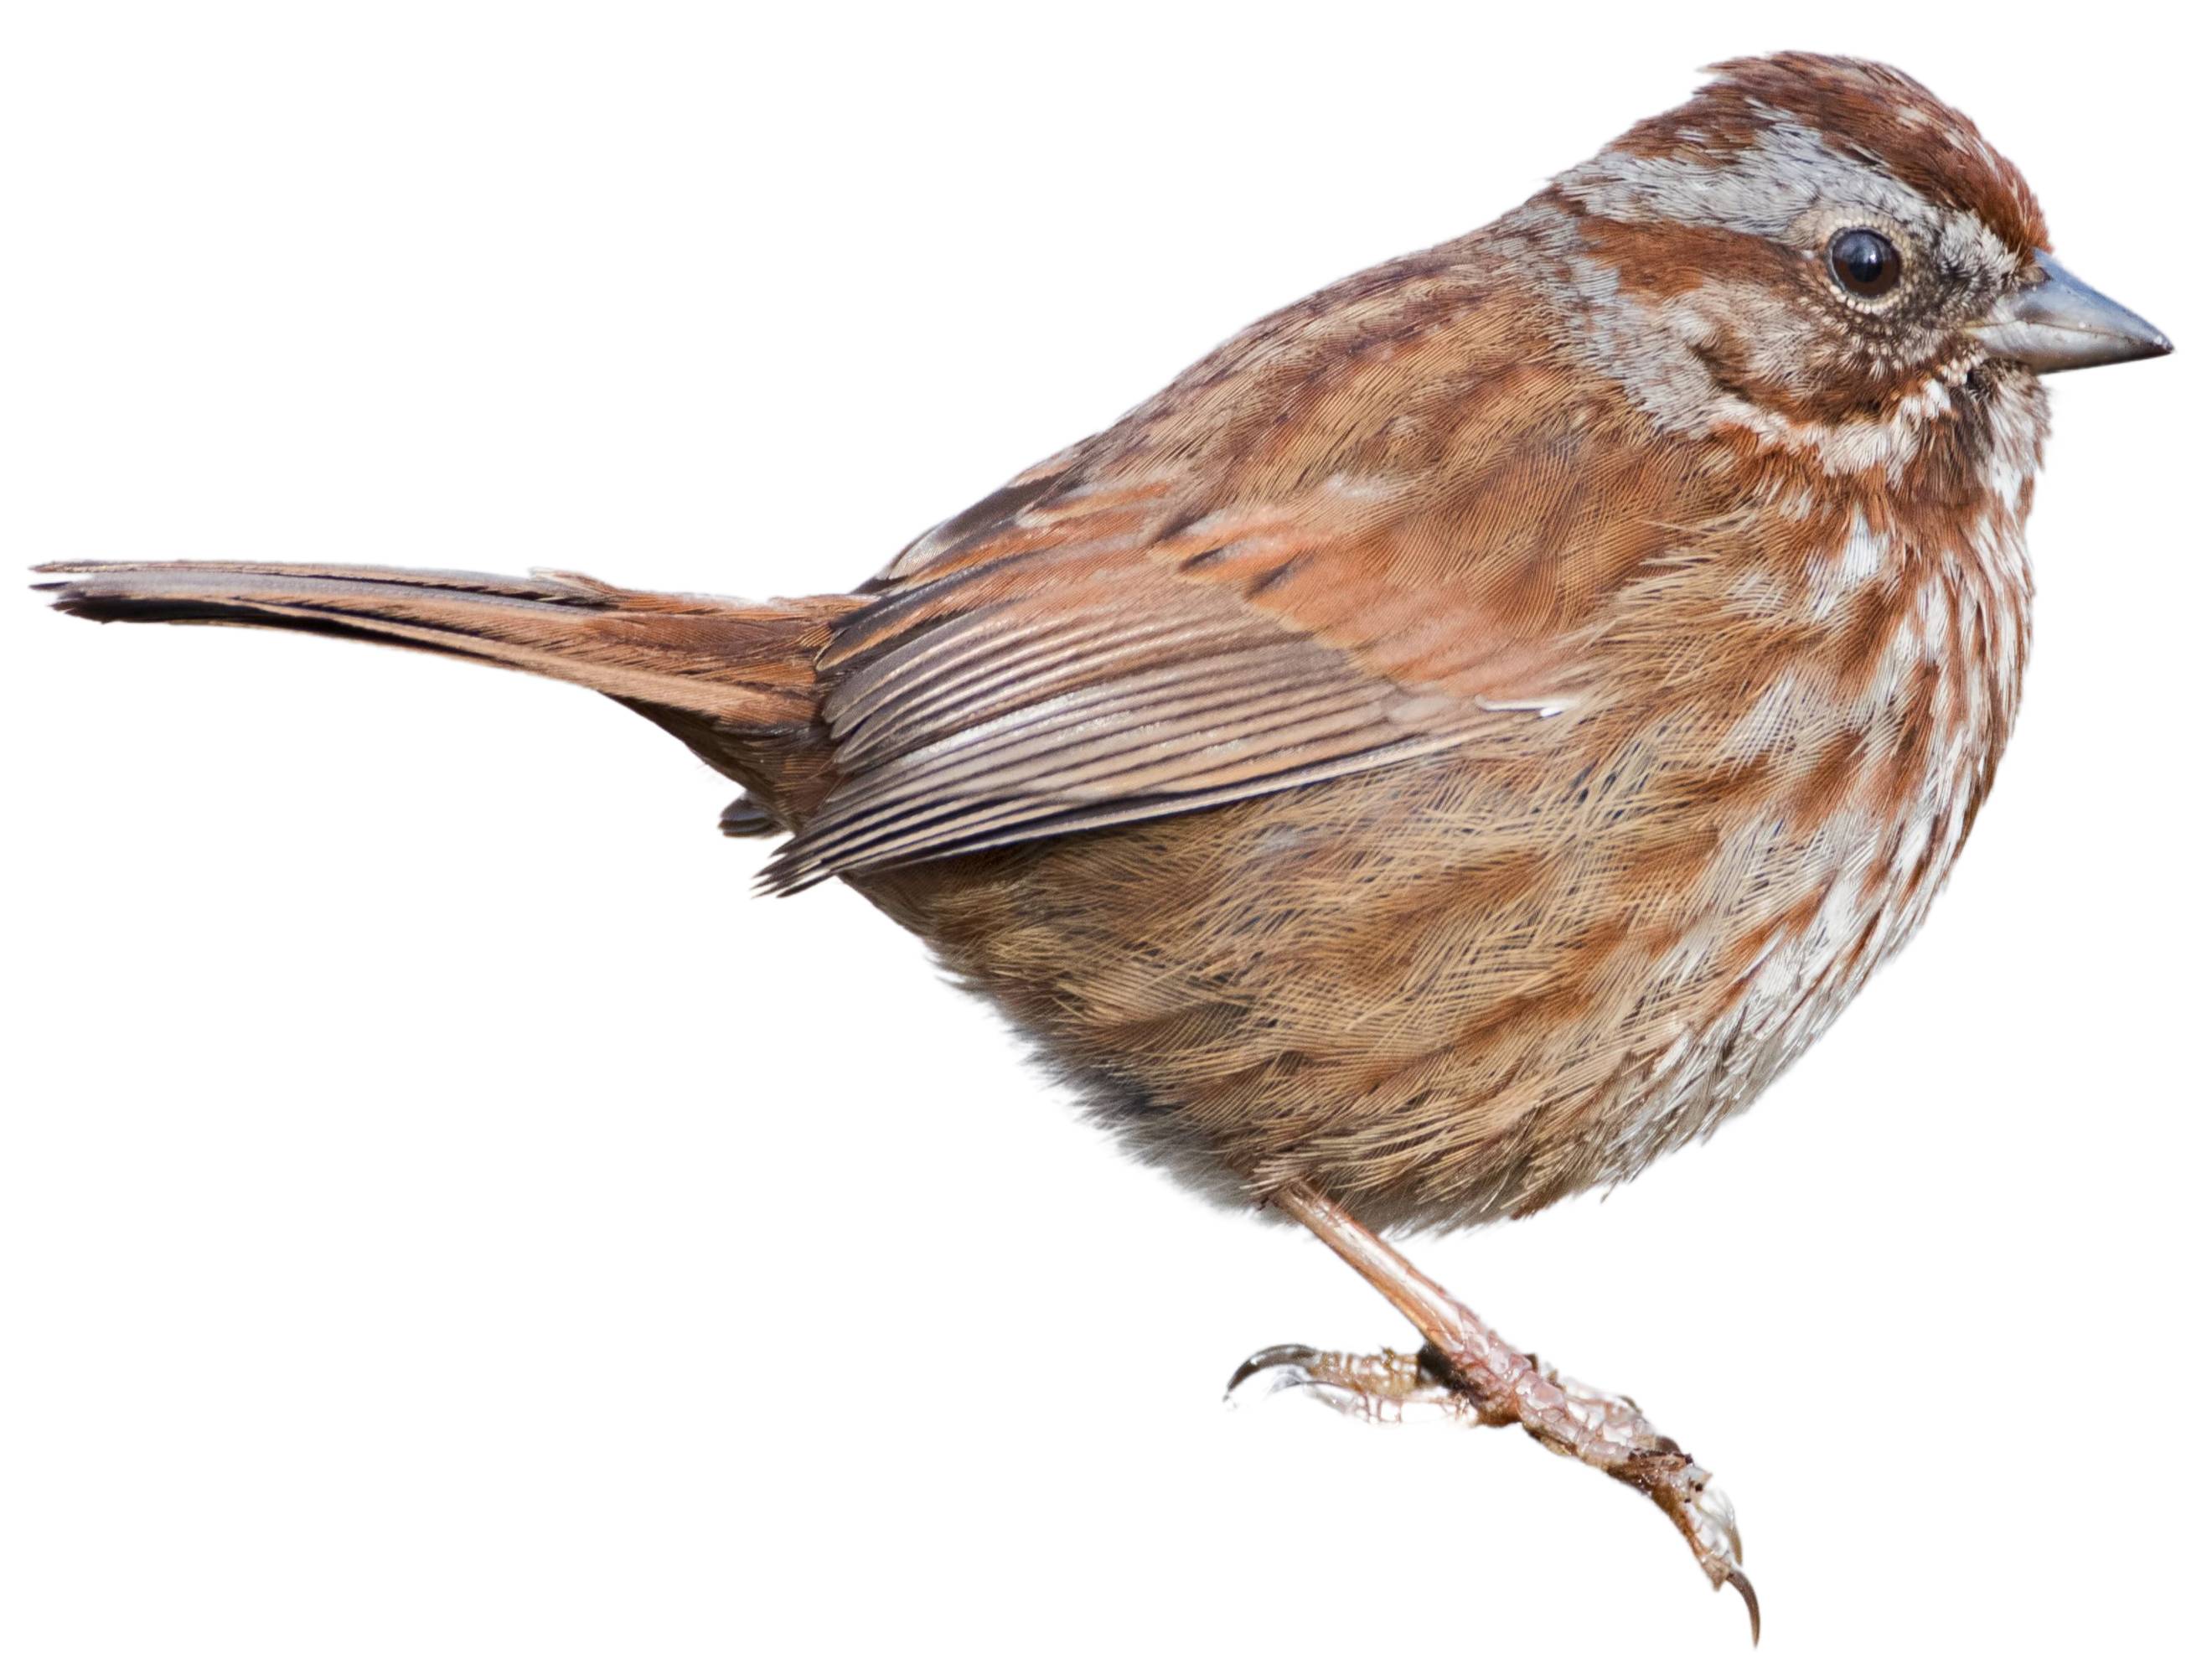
{"type": "Point", "coordinates": [1461, 738]}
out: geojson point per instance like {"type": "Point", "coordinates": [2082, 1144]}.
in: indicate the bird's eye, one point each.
{"type": "Point", "coordinates": [1865, 262]}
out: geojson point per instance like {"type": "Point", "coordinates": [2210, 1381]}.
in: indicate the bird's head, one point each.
{"type": "Point", "coordinates": [1820, 241]}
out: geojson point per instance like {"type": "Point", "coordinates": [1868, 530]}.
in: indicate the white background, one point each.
{"type": "Point", "coordinates": [442, 1213]}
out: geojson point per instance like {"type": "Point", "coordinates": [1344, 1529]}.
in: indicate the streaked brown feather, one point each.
{"type": "Point", "coordinates": [1585, 692]}
{"type": "Point", "coordinates": [1124, 639]}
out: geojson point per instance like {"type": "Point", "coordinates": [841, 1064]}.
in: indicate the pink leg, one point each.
{"type": "Point", "coordinates": [1467, 1373]}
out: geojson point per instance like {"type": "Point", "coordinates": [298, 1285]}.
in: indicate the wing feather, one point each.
{"type": "Point", "coordinates": [1335, 545]}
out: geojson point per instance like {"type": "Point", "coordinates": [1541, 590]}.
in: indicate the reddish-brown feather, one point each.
{"type": "Point", "coordinates": [1577, 724]}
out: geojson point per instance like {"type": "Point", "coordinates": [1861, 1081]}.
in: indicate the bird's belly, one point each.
{"type": "Point", "coordinates": [1479, 982]}
{"type": "Point", "coordinates": [1799, 968]}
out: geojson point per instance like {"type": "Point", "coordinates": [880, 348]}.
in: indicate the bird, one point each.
{"type": "Point", "coordinates": [1461, 739]}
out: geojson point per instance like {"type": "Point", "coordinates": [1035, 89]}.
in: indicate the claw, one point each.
{"type": "Point", "coordinates": [1742, 1587]}
{"type": "Point", "coordinates": [1291, 1357]}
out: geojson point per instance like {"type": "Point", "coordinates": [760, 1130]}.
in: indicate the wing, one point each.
{"type": "Point", "coordinates": [1309, 557]}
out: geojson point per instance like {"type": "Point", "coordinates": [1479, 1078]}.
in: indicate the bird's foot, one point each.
{"type": "Point", "coordinates": [1478, 1380]}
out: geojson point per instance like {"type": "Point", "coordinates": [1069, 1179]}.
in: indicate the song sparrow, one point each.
{"type": "Point", "coordinates": [1590, 642]}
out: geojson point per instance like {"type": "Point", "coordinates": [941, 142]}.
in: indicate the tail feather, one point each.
{"type": "Point", "coordinates": [720, 668]}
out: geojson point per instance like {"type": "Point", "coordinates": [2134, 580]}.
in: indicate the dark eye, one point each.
{"type": "Point", "coordinates": [1865, 262]}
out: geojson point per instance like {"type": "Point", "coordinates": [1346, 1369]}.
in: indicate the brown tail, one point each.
{"type": "Point", "coordinates": [734, 681]}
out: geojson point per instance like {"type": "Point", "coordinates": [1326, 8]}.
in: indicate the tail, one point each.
{"type": "Point", "coordinates": [734, 681]}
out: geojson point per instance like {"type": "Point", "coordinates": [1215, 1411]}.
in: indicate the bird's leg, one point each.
{"type": "Point", "coordinates": [1467, 1373]}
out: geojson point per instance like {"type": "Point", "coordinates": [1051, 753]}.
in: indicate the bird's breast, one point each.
{"type": "Point", "coordinates": [1871, 702]}
{"type": "Point", "coordinates": [1470, 984]}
